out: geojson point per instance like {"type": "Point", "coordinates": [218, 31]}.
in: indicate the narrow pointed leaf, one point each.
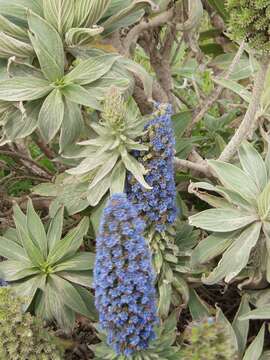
{"type": "Point", "coordinates": [78, 262]}
{"type": "Point", "coordinates": [77, 94]}
{"type": "Point", "coordinates": [51, 115]}
{"type": "Point", "coordinates": [90, 70]}
{"type": "Point", "coordinates": [253, 164]}
{"type": "Point", "coordinates": [48, 46]}
{"type": "Point", "coordinates": [54, 233]}
{"type": "Point", "coordinates": [59, 13]}
{"type": "Point", "coordinates": [72, 125]}
{"type": "Point", "coordinates": [9, 249]}
{"type": "Point", "coordinates": [234, 178]}
{"type": "Point", "coordinates": [70, 243]}
{"type": "Point", "coordinates": [105, 169]}
{"type": "Point", "coordinates": [70, 296]}
{"type": "Point", "coordinates": [136, 169]}
{"type": "Point", "coordinates": [36, 229]}
{"type": "Point", "coordinates": [23, 88]}
{"type": "Point", "coordinates": [255, 349]}
{"type": "Point", "coordinates": [236, 256]}
{"type": "Point", "coordinates": [9, 46]}
{"type": "Point", "coordinates": [96, 193]}
{"type": "Point", "coordinates": [241, 327]}
{"type": "Point", "coordinates": [222, 220]}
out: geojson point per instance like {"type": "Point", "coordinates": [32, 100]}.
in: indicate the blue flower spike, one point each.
{"type": "Point", "coordinates": [158, 205]}
{"type": "Point", "coordinates": [124, 279]}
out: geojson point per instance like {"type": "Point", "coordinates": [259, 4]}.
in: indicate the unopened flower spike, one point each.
{"type": "Point", "coordinates": [124, 279]}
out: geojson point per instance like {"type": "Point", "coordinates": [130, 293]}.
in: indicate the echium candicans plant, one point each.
{"type": "Point", "coordinates": [45, 85]}
{"type": "Point", "coordinates": [124, 279]}
{"type": "Point", "coordinates": [240, 221]}
{"type": "Point", "coordinates": [48, 270]}
{"type": "Point", "coordinates": [107, 157]}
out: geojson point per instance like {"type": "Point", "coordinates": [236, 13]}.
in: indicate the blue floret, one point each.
{"type": "Point", "coordinates": [158, 205]}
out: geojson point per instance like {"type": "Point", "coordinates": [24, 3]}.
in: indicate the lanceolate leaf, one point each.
{"type": "Point", "coordinates": [255, 349]}
{"type": "Point", "coordinates": [51, 115]}
{"type": "Point", "coordinates": [36, 229]}
{"type": "Point", "coordinates": [105, 169]}
{"type": "Point", "coordinates": [90, 70]}
{"type": "Point", "coordinates": [19, 8]}
{"type": "Point", "coordinates": [12, 29]}
{"type": "Point", "coordinates": [72, 125]}
{"type": "Point", "coordinates": [135, 168]}
{"type": "Point", "coordinates": [59, 13]}
{"type": "Point", "coordinates": [241, 327]}
{"type": "Point", "coordinates": [236, 256]}
{"type": "Point", "coordinates": [11, 250]}
{"type": "Point", "coordinates": [222, 220]}
{"type": "Point", "coordinates": [234, 178]}
{"type": "Point", "coordinates": [95, 194]}
{"type": "Point", "coordinates": [212, 246]}
{"type": "Point", "coordinates": [77, 94]}
{"type": "Point", "coordinates": [23, 88]}
{"type": "Point", "coordinates": [79, 262]}
{"type": "Point", "coordinates": [70, 296]}
{"type": "Point", "coordinates": [253, 164]}
{"type": "Point", "coordinates": [54, 233]}
{"type": "Point", "coordinates": [9, 46]}
{"type": "Point", "coordinates": [48, 46]}
{"type": "Point", "coordinates": [88, 12]}
{"type": "Point", "coordinates": [70, 243]}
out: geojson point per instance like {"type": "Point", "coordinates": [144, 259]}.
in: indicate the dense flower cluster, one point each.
{"type": "Point", "coordinates": [250, 20]}
{"type": "Point", "coordinates": [124, 279]}
{"type": "Point", "coordinates": [158, 205]}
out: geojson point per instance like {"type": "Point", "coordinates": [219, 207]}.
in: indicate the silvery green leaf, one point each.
{"type": "Point", "coordinates": [51, 115]}
{"type": "Point", "coordinates": [90, 70]}
{"type": "Point", "coordinates": [101, 86]}
{"type": "Point", "coordinates": [19, 125]}
{"type": "Point", "coordinates": [88, 12]}
{"type": "Point", "coordinates": [257, 314]}
{"type": "Point", "coordinates": [72, 125]}
{"type": "Point", "coordinates": [180, 284]}
{"type": "Point", "coordinates": [136, 169]}
{"type": "Point", "coordinates": [96, 193]}
{"type": "Point", "coordinates": [59, 13]}
{"type": "Point", "coordinates": [235, 87]}
{"type": "Point", "coordinates": [212, 246]}
{"type": "Point", "coordinates": [19, 8]}
{"type": "Point", "coordinates": [215, 201]}
{"type": "Point", "coordinates": [82, 36]}
{"type": "Point", "coordinates": [88, 164]}
{"type": "Point", "coordinates": [118, 178]}
{"type": "Point", "coordinates": [12, 270]}
{"type": "Point", "coordinates": [83, 278]}
{"type": "Point", "coordinates": [54, 232]}
{"type": "Point", "coordinates": [165, 291]}
{"type": "Point", "coordinates": [23, 89]}
{"type": "Point", "coordinates": [220, 317]}
{"type": "Point", "coordinates": [36, 229]}
{"type": "Point", "coordinates": [264, 203]}
{"type": "Point", "coordinates": [105, 169]}
{"type": "Point", "coordinates": [77, 94]}
{"type": "Point", "coordinates": [9, 249]}
{"type": "Point", "coordinates": [79, 262]}
{"type": "Point", "coordinates": [48, 46]}
{"type": "Point", "coordinates": [241, 328]}
{"type": "Point", "coordinates": [70, 296]}
{"type": "Point", "coordinates": [235, 179]}
{"type": "Point", "coordinates": [139, 71]}
{"type": "Point", "coordinates": [235, 198]}
{"type": "Point", "coordinates": [255, 349]}
{"type": "Point", "coordinates": [9, 46]}
{"type": "Point", "coordinates": [197, 307]}
{"type": "Point", "coordinates": [253, 164]}
{"type": "Point", "coordinates": [12, 29]}
{"type": "Point", "coordinates": [236, 256]}
{"type": "Point", "coordinates": [117, 19]}
{"type": "Point", "coordinates": [222, 220]}
{"type": "Point", "coordinates": [69, 245]}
